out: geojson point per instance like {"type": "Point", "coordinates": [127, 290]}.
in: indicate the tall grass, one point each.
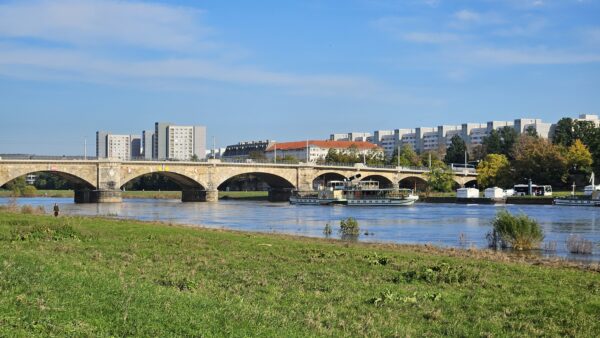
{"type": "Point", "coordinates": [579, 245]}
{"type": "Point", "coordinates": [519, 232]}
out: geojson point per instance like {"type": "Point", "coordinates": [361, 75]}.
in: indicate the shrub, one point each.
{"type": "Point", "coordinates": [518, 232]}
{"type": "Point", "coordinates": [579, 245]}
{"type": "Point", "coordinates": [327, 230]}
{"type": "Point", "coordinates": [349, 227]}
{"type": "Point", "coordinates": [29, 191]}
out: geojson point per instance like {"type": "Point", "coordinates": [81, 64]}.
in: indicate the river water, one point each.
{"type": "Point", "coordinates": [438, 224]}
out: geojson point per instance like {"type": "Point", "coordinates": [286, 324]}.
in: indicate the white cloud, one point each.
{"type": "Point", "coordinates": [94, 22]}
{"type": "Point", "coordinates": [538, 56]}
{"type": "Point", "coordinates": [127, 41]}
{"type": "Point", "coordinates": [467, 15]}
{"type": "Point", "coordinates": [429, 37]}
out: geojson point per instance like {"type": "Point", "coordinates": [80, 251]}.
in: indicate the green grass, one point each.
{"type": "Point", "coordinates": [98, 277]}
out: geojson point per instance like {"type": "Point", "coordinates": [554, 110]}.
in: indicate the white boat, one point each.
{"type": "Point", "coordinates": [591, 197]}
{"type": "Point", "coordinates": [361, 193]}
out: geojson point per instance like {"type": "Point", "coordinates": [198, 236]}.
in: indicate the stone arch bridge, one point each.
{"type": "Point", "coordinates": [101, 180]}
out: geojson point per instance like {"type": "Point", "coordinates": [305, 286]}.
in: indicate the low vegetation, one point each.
{"type": "Point", "coordinates": [103, 277]}
{"type": "Point", "coordinates": [579, 245]}
{"type": "Point", "coordinates": [349, 228]}
{"type": "Point", "coordinates": [518, 232]}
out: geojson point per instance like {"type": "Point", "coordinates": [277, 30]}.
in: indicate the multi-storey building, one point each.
{"type": "Point", "coordinates": [243, 150]}
{"type": "Point", "coordinates": [136, 147]}
{"type": "Point", "coordinates": [174, 142]}
{"type": "Point", "coordinates": [118, 147]}
{"type": "Point", "coordinates": [423, 139]}
{"type": "Point", "coordinates": [147, 144]}
{"type": "Point", "coordinates": [352, 136]}
{"type": "Point", "coordinates": [101, 144]}
{"type": "Point", "coordinates": [314, 150]}
{"type": "Point", "coordinates": [589, 117]}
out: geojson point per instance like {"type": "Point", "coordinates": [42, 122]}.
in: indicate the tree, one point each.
{"type": "Point", "coordinates": [500, 141]}
{"type": "Point", "coordinates": [492, 144]}
{"type": "Point", "coordinates": [563, 132]}
{"type": "Point", "coordinates": [407, 158]}
{"type": "Point", "coordinates": [579, 157]}
{"type": "Point", "coordinates": [456, 151]}
{"type": "Point", "coordinates": [494, 171]}
{"type": "Point", "coordinates": [434, 156]}
{"type": "Point", "coordinates": [440, 178]}
{"type": "Point", "coordinates": [257, 155]}
{"type": "Point", "coordinates": [585, 131]}
{"type": "Point", "coordinates": [531, 131]}
{"type": "Point", "coordinates": [195, 158]}
{"type": "Point", "coordinates": [539, 160]}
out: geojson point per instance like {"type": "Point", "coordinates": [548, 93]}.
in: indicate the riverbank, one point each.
{"type": "Point", "coordinates": [93, 276]}
{"type": "Point", "coordinates": [234, 195]}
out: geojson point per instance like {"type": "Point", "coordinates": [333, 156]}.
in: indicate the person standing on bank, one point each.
{"type": "Point", "coordinates": [56, 210]}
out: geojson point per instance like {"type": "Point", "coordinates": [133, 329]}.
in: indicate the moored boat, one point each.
{"type": "Point", "coordinates": [590, 198]}
{"type": "Point", "coordinates": [362, 193]}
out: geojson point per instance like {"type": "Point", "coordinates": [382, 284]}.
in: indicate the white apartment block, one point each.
{"type": "Point", "coordinates": [180, 142]}
{"type": "Point", "coordinates": [423, 139]}
{"type": "Point", "coordinates": [588, 117]}
{"type": "Point", "coordinates": [118, 147]}
{"type": "Point", "coordinates": [352, 136]}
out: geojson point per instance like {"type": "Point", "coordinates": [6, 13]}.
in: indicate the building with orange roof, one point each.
{"type": "Point", "coordinates": [314, 150]}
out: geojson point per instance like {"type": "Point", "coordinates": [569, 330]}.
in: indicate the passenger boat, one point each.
{"type": "Point", "coordinates": [362, 193]}
{"type": "Point", "coordinates": [591, 197]}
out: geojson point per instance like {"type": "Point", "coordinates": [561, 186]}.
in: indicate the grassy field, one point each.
{"type": "Point", "coordinates": [251, 195]}
{"type": "Point", "coordinates": [91, 276]}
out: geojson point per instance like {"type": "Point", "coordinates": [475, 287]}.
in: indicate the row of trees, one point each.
{"type": "Point", "coordinates": [571, 156]}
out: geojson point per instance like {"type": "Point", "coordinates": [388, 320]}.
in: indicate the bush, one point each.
{"type": "Point", "coordinates": [327, 230]}
{"type": "Point", "coordinates": [349, 227]}
{"type": "Point", "coordinates": [579, 245]}
{"type": "Point", "coordinates": [518, 232]}
{"type": "Point", "coordinates": [29, 191]}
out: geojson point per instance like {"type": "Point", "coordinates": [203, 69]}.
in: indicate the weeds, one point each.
{"type": "Point", "coordinates": [440, 273]}
{"type": "Point", "coordinates": [550, 246]}
{"type": "Point", "coordinates": [518, 232]}
{"type": "Point", "coordinates": [349, 228]}
{"type": "Point", "coordinates": [53, 232]}
{"type": "Point", "coordinates": [387, 297]}
{"type": "Point", "coordinates": [462, 240]}
{"type": "Point", "coordinates": [375, 259]}
{"type": "Point", "coordinates": [327, 230]}
{"type": "Point", "coordinates": [579, 245]}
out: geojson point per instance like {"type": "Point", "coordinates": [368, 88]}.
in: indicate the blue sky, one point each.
{"type": "Point", "coordinates": [287, 70]}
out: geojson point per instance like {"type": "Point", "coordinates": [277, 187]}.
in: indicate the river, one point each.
{"type": "Point", "coordinates": [448, 225]}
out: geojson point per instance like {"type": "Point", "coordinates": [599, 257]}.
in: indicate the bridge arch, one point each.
{"type": "Point", "coordinates": [384, 182]}
{"type": "Point", "coordinates": [413, 182]}
{"type": "Point", "coordinates": [273, 181]}
{"type": "Point", "coordinates": [325, 177]}
{"type": "Point", "coordinates": [181, 180]}
{"type": "Point", "coordinates": [274, 177]}
{"type": "Point", "coordinates": [80, 180]}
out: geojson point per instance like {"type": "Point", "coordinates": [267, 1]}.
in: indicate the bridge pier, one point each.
{"type": "Point", "coordinates": [97, 196]}
{"type": "Point", "coordinates": [199, 195]}
{"type": "Point", "coordinates": [279, 195]}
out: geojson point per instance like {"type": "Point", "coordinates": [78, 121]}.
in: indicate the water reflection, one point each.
{"type": "Point", "coordinates": [439, 224]}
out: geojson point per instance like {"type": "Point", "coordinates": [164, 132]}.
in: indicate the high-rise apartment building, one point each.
{"type": "Point", "coordinates": [101, 144]}
{"type": "Point", "coordinates": [173, 142]}
{"type": "Point", "coordinates": [147, 144]}
{"type": "Point", "coordinates": [118, 147]}
{"type": "Point", "coordinates": [423, 139]}
{"type": "Point", "coordinates": [136, 147]}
